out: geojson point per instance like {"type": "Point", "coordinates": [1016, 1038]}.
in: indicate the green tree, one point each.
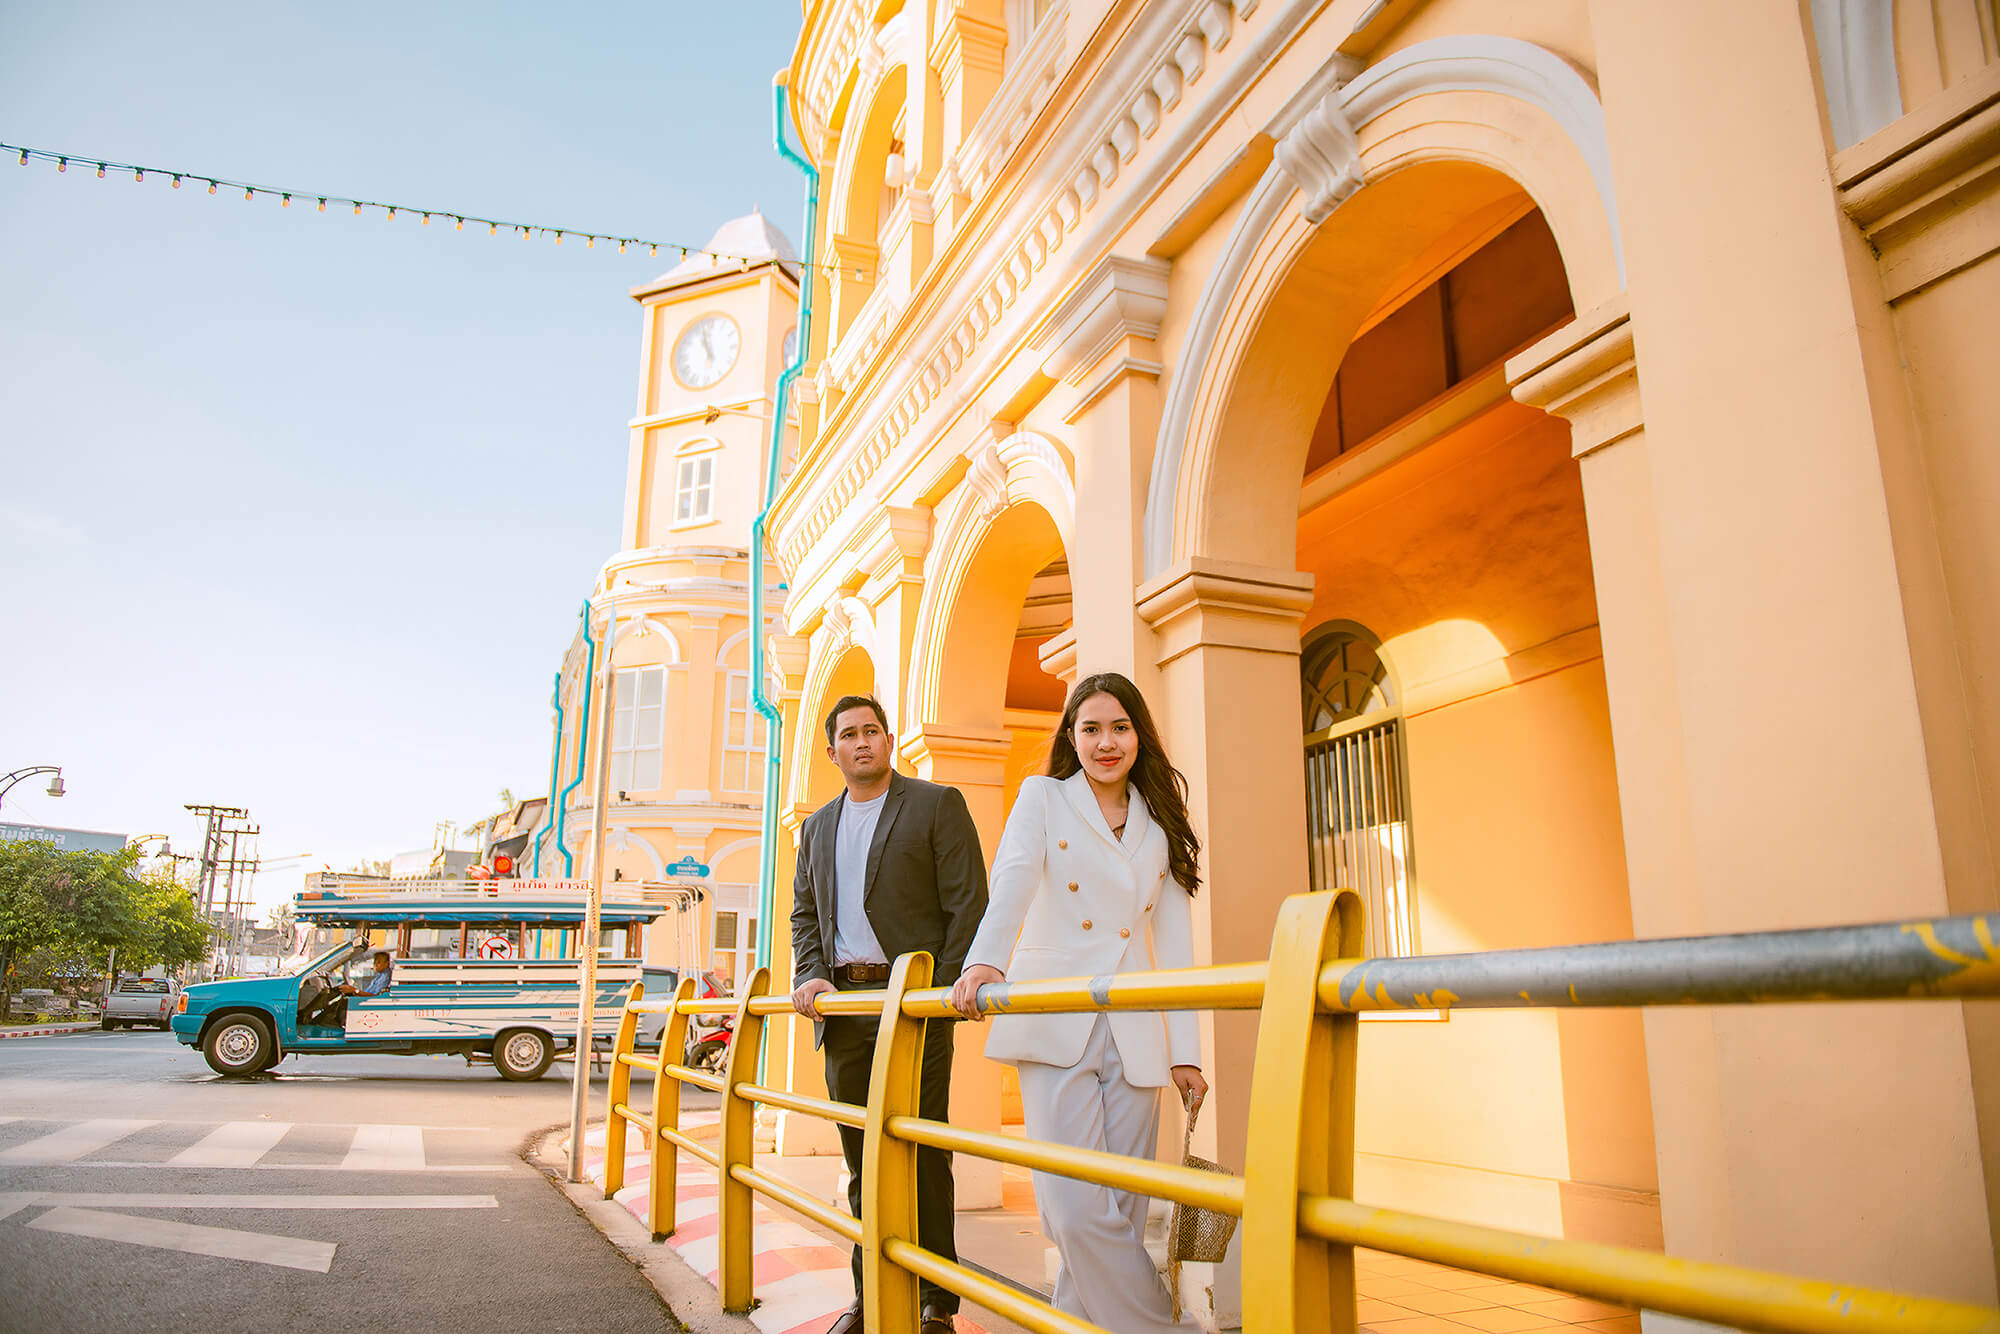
{"type": "Point", "coordinates": [77, 906]}
{"type": "Point", "coordinates": [168, 929]}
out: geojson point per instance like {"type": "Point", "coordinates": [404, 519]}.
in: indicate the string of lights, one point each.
{"type": "Point", "coordinates": [321, 200]}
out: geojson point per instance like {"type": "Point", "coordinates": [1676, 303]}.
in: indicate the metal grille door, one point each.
{"type": "Point", "coordinates": [1358, 828]}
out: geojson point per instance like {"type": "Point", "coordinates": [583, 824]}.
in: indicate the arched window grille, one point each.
{"type": "Point", "coordinates": [1357, 789]}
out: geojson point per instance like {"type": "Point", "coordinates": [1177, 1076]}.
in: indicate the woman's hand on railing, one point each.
{"type": "Point", "coordinates": [965, 991]}
{"type": "Point", "coordinates": [1188, 1079]}
{"type": "Point", "coordinates": [808, 992]}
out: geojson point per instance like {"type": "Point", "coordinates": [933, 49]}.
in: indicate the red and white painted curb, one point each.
{"type": "Point", "coordinates": [46, 1031]}
{"type": "Point", "coordinates": [802, 1279]}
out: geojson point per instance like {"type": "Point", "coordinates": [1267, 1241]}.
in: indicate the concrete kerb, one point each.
{"type": "Point", "coordinates": [48, 1031]}
{"type": "Point", "coordinates": [687, 1294]}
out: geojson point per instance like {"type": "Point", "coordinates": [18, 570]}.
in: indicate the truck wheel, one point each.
{"type": "Point", "coordinates": [522, 1053]}
{"type": "Point", "coordinates": [104, 1024]}
{"type": "Point", "coordinates": [239, 1045]}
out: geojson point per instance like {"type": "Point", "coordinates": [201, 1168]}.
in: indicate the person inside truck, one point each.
{"type": "Point", "coordinates": [334, 1011]}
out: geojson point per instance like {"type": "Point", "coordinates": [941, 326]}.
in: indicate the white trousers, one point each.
{"type": "Point", "coordinates": [1105, 1275]}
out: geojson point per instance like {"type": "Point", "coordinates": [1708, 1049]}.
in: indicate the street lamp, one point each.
{"type": "Point", "coordinates": [55, 784]}
{"type": "Point", "coordinates": [166, 845]}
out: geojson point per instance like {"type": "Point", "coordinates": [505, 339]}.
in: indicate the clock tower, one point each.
{"type": "Point", "coordinates": [671, 608]}
{"type": "Point", "coordinates": [718, 329]}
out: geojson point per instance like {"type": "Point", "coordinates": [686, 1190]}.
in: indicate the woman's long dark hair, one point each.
{"type": "Point", "coordinates": [1162, 785]}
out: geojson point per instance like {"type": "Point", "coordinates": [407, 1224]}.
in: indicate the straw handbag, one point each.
{"type": "Point", "coordinates": [1194, 1235]}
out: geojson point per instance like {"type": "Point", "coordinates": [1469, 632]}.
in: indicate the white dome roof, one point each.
{"type": "Point", "coordinates": [740, 243]}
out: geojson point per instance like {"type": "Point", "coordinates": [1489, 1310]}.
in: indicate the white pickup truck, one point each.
{"type": "Point", "coordinates": [140, 1000]}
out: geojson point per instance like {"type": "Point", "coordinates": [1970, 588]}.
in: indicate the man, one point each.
{"type": "Point", "coordinates": [889, 867]}
{"type": "Point", "coordinates": [377, 982]}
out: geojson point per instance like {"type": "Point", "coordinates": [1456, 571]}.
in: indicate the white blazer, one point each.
{"type": "Point", "coordinates": [1084, 904]}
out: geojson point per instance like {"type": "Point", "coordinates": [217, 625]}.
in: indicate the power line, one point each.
{"type": "Point", "coordinates": [457, 217]}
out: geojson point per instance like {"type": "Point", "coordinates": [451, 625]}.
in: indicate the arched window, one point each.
{"type": "Point", "coordinates": [1357, 790]}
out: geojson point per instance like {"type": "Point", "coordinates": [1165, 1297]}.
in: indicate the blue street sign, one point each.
{"type": "Point", "coordinates": [687, 868]}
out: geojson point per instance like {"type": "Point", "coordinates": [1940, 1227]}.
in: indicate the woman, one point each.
{"type": "Point", "coordinates": [1094, 874]}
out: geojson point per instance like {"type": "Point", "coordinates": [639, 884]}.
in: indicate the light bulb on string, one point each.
{"type": "Point", "coordinates": [211, 187]}
{"type": "Point", "coordinates": [24, 157]}
{"type": "Point", "coordinates": [177, 182]}
{"type": "Point", "coordinates": [100, 171]}
{"type": "Point", "coordinates": [653, 249]}
{"type": "Point", "coordinates": [558, 238]}
{"type": "Point", "coordinates": [458, 224]}
{"type": "Point", "coordinates": [138, 174]}
{"type": "Point", "coordinates": [621, 247]}
{"type": "Point", "coordinates": [427, 219]}
{"type": "Point", "coordinates": [248, 193]}
{"type": "Point", "coordinates": [285, 202]}
{"type": "Point", "coordinates": [322, 206]}
{"type": "Point", "coordinates": [62, 164]}
{"type": "Point", "coordinates": [357, 208]}
{"type": "Point", "coordinates": [590, 243]}
{"type": "Point", "coordinates": [492, 229]}
{"type": "Point", "coordinates": [392, 212]}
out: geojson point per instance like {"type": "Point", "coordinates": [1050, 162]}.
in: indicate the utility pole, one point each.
{"type": "Point", "coordinates": [233, 821]}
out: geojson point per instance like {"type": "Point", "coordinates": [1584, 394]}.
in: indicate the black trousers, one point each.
{"type": "Point", "coordinates": [850, 1059]}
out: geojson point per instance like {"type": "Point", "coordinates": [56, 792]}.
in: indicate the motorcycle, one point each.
{"type": "Point", "coordinates": [708, 1041]}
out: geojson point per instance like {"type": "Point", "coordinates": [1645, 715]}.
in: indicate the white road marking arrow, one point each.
{"type": "Point", "coordinates": [160, 1234]}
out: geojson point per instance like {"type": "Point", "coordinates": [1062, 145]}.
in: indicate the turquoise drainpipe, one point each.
{"type": "Point", "coordinates": [583, 739]}
{"type": "Point", "coordinates": [555, 763]}
{"type": "Point", "coordinates": [767, 852]}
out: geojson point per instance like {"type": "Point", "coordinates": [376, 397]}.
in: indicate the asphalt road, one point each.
{"type": "Point", "coordinates": [138, 1190]}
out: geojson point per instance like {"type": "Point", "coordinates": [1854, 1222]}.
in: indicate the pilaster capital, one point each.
{"type": "Point", "coordinates": [948, 753]}
{"type": "Point", "coordinates": [892, 542]}
{"type": "Point", "coordinates": [1208, 603]}
{"type": "Point", "coordinates": [852, 254]}
{"type": "Point", "coordinates": [792, 815]}
{"type": "Point", "coordinates": [964, 42]}
{"type": "Point", "coordinates": [791, 654]}
{"type": "Point", "coordinates": [1587, 373]}
{"type": "Point", "coordinates": [1058, 656]}
{"type": "Point", "coordinates": [1121, 298]}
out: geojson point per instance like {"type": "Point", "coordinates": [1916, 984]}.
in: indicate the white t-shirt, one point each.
{"type": "Point", "coordinates": [853, 938]}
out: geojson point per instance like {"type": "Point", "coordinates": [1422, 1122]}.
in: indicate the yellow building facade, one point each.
{"type": "Point", "coordinates": [1538, 460]}
{"type": "Point", "coordinates": [687, 747]}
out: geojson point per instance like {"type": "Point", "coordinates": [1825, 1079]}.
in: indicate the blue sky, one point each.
{"type": "Point", "coordinates": [297, 509]}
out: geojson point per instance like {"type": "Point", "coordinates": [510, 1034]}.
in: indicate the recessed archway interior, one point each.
{"type": "Point", "coordinates": [852, 674]}
{"type": "Point", "coordinates": [1370, 439]}
{"type": "Point", "coordinates": [1013, 596]}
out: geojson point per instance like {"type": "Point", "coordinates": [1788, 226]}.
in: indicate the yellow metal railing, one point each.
{"type": "Point", "coordinates": [1300, 1223]}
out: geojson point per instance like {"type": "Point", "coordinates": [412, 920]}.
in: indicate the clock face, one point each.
{"type": "Point", "coordinates": [706, 351]}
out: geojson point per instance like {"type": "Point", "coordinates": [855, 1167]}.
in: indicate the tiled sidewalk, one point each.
{"type": "Point", "coordinates": [803, 1281]}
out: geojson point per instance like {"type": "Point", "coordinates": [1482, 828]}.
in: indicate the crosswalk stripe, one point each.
{"type": "Point", "coordinates": [233, 1144]}
{"type": "Point", "coordinates": [70, 1143]}
{"type": "Point", "coordinates": [380, 1148]}
{"type": "Point", "coordinates": [162, 1234]}
{"type": "Point", "coordinates": [15, 1201]}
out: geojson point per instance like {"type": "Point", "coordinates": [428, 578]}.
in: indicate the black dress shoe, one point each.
{"type": "Point", "coordinates": [937, 1320]}
{"type": "Point", "coordinates": [848, 1323]}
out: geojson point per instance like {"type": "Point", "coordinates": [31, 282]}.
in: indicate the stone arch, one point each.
{"type": "Point", "coordinates": [647, 623]}
{"type": "Point", "coordinates": [1463, 120]}
{"type": "Point", "coordinates": [728, 850]}
{"type": "Point", "coordinates": [837, 667]}
{"type": "Point", "coordinates": [883, 86]}
{"type": "Point", "coordinates": [1026, 469]}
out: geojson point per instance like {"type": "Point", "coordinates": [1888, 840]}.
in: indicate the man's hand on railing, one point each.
{"type": "Point", "coordinates": [965, 992]}
{"type": "Point", "coordinates": [807, 993]}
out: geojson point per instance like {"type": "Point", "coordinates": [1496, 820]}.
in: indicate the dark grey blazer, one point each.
{"type": "Point", "coordinates": [926, 881]}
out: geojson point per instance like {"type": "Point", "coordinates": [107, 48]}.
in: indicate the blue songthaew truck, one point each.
{"type": "Point", "coordinates": [489, 970]}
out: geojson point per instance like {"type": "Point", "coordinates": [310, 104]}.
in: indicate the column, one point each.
{"type": "Point", "coordinates": [1100, 343]}
{"type": "Point", "coordinates": [1771, 401]}
{"type": "Point", "coordinates": [973, 760]}
{"type": "Point", "coordinates": [1226, 643]}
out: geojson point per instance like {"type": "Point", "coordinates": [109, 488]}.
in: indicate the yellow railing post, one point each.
{"type": "Point", "coordinates": [618, 1094]}
{"type": "Point", "coordinates": [889, 1166]}
{"type": "Point", "coordinates": [739, 1123]}
{"type": "Point", "coordinates": [665, 1177]}
{"type": "Point", "coordinates": [1302, 1114]}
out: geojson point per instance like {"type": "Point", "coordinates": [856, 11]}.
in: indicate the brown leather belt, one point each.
{"type": "Point", "coordinates": [863, 972]}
